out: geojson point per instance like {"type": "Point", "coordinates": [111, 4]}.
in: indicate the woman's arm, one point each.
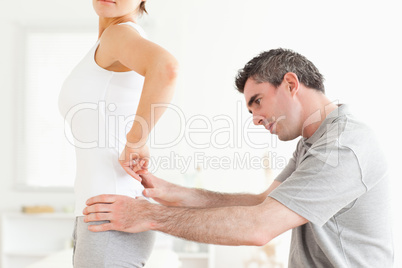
{"type": "Point", "coordinates": [121, 46]}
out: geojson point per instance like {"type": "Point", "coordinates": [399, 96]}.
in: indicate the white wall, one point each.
{"type": "Point", "coordinates": [13, 15]}
{"type": "Point", "coordinates": [355, 44]}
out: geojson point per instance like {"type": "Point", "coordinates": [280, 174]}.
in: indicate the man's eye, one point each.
{"type": "Point", "coordinates": [258, 101]}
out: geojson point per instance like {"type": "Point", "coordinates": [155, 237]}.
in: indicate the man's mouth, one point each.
{"type": "Point", "coordinates": [270, 126]}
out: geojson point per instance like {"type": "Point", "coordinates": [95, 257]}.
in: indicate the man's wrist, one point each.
{"type": "Point", "coordinates": [157, 215]}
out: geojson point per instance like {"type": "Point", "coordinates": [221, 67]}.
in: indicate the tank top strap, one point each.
{"type": "Point", "coordinates": [137, 27]}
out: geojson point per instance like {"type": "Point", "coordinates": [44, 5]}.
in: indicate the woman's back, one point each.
{"type": "Point", "coordinates": [99, 106]}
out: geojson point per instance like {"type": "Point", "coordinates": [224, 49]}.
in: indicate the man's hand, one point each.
{"type": "Point", "coordinates": [124, 213]}
{"type": "Point", "coordinates": [166, 193]}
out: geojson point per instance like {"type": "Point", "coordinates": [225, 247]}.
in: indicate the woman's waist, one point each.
{"type": "Point", "coordinates": [102, 181]}
{"type": "Point", "coordinates": [98, 138]}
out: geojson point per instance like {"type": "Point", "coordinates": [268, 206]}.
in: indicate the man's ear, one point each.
{"type": "Point", "coordinates": [291, 82]}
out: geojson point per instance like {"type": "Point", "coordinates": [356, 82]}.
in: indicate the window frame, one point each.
{"type": "Point", "coordinates": [20, 70]}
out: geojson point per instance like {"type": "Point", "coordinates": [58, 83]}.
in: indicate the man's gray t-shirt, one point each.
{"type": "Point", "coordinates": [338, 181]}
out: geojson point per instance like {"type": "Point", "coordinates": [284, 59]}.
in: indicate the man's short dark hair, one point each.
{"type": "Point", "coordinates": [271, 66]}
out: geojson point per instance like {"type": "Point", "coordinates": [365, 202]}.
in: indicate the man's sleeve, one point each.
{"type": "Point", "coordinates": [327, 180]}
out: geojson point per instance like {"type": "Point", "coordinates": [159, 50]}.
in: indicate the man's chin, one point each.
{"type": "Point", "coordinates": [282, 137]}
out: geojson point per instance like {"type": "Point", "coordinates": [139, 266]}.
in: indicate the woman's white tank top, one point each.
{"type": "Point", "coordinates": [99, 106]}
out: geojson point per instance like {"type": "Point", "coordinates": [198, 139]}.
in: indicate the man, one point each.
{"type": "Point", "coordinates": [333, 193]}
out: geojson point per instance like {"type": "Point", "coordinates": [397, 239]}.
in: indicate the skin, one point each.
{"type": "Point", "coordinates": [134, 53]}
{"type": "Point", "coordinates": [290, 110]}
{"type": "Point", "coordinates": [219, 218]}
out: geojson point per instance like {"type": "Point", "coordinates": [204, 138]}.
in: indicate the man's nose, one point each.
{"type": "Point", "coordinates": [258, 120]}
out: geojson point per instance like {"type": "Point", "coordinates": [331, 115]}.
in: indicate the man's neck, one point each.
{"type": "Point", "coordinates": [316, 108]}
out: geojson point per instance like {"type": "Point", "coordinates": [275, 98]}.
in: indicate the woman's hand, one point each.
{"type": "Point", "coordinates": [135, 160]}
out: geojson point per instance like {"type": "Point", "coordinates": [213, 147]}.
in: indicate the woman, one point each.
{"type": "Point", "coordinates": [114, 84]}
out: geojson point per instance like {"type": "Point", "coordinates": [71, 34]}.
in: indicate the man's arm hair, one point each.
{"type": "Point", "coordinates": [228, 225]}
{"type": "Point", "coordinates": [173, 195]}
{"type": "Point", "coordinates": [234, 225]}
{"type": "Point", "coordinates": [210, 199]}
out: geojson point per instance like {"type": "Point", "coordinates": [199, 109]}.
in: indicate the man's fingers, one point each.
{"type": "Point", "coordinates": [104, 198]}
{"type": "Point", "coordinates": [152, 193]}
{"type": "Point", "coordinates": [132, 173]}
{"type": "Point", "coordinates": [142, 172]}
{"type": "Point", "coordinates": [97, 208]}
{"type": "Point", "coordinates": [146, 180]}
{"type": "Point", "coordinates": [148, 177]}
{"type": "Point", "coordinates": [101, 227]}
{"type": "Point", "coordinates": [135, 170]}
{"type": "Point", "coordinates": [98, 217]}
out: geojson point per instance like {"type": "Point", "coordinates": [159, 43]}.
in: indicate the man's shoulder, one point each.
{"type": "Point", "coordinates": [356, 133]}
{"type": "Point", "coordinates": [348, 131]}
{"type": "Point", "coordinates": [362, 140]}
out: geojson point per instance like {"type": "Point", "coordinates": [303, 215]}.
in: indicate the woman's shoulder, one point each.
{"type": "Point", "coordinates": [116, 42]}
{"type": "Point", "coordinates": [119, 32]}
{"type": "Point", "coordinates": [117, 37]}
{"type": "Point", "coordinates": [124, 31]}
{"type": "Point", "coordinates": [134, 26]}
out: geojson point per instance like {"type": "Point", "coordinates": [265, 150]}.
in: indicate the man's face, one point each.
{"type": "Point", "coordinates": [277, 109]}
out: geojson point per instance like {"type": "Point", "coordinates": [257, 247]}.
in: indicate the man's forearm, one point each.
{"type": "Point", "coordinates": [170, 194]}
{"type": "Point", "coordinates": [236, 225]}
{"type": "Point", "coordinates": [209, 199]}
